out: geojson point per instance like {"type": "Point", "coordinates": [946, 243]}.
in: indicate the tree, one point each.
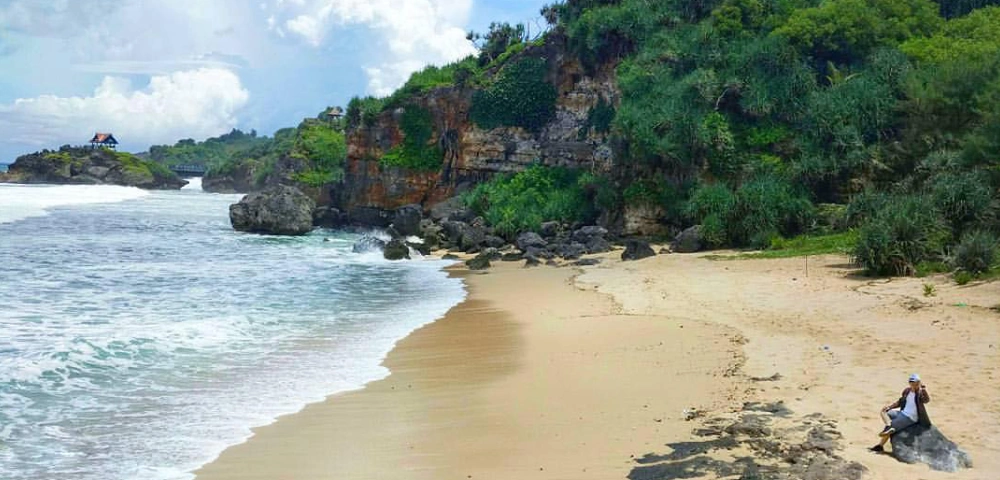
{"type": "Point", "coordinates": [497, 40]}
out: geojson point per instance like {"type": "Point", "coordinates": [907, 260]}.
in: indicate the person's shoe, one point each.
{"type": "Point", "coordinates": [877, 449]}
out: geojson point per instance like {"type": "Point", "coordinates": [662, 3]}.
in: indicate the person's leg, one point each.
{"type": "Point", "coordinates": [891, 418]}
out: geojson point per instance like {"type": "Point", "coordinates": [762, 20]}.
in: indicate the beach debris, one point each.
{"type": "Point", "coordinates": [926, 444]}
{"type": "Point", "coordinates": [772, 378]}
{"type": "Point", "coordinates": [587, 262]}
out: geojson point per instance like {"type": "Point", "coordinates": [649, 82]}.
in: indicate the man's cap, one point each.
{"type": "Point", "coordinates": [914, 378]}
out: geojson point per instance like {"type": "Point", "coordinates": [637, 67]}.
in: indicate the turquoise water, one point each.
{"type": "Point", "coordinates": [141, 335]}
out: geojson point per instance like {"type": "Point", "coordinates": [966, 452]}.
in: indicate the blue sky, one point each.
{"type": "Point", "coordinates": [155, 71]}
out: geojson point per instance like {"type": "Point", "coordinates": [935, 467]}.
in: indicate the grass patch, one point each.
{"type": "Point", "coordinates": [801, 246]}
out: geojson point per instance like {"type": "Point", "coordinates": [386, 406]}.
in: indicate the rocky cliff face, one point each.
{"type": "Point", "coordinates": [84, 166]}
{"type": "Point", "coordinates": [472, 154]}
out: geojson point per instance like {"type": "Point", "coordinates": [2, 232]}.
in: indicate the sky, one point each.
{"type": "Point", "coordinates": [157, 71]}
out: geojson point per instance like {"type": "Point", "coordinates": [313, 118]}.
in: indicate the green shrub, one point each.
{"type": "Point", "coordinates": [976, 253]}
{"type": "Point", "coordinates": [417, 151]}
{"type": "Point", "coordinates": [518, 203]}
{"type": "Point", "coordinates": [364, 111]}
{"type": "Point", "coordinates": [865, 206]}
{"type": "Point", "coordinates": [906, 232]}
{"type": "Point", "coordinates": [963, 277]}
{"type": "Point", "coordinates": [711, 200]}
{"type": "Point", "coordinates": [520, 96]}
{"type": "Point", "coordinates": [964, 199]}
{"type": "Point", "coordinates": [713, 231]}
{"type": "Point", "coordinates": [766, 207]}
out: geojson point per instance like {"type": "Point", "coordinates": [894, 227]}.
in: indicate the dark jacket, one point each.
{"type": "Point", "coordinates": [922, 397]}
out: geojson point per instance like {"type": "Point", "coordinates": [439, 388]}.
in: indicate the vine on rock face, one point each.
{"type": "Point", "coordinates": [417, 151]}
{"type": "Point", "coordinates": [520, 96]}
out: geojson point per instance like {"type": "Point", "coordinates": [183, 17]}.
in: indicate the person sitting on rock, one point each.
{"type": "Point", "coordinates": [909, 410]}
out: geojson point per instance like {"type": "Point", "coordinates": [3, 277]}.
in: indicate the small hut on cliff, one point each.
{"type": "Point", "coordinates": [105, 140]}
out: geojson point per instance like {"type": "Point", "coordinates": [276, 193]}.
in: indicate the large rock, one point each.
{"type": "Point", "coordinates": [688, 241]}
{"type": "Point", "coordinates": [920, 444]}
{"type": "Point", "coordinates": [481, 261]}
{"type": "Point", "coordinates": [86, 166]}
{"type": "Point", "coordinates": [528, 240]}
{"type": "Point", "coordinates": [328, 217]}
{"type": "Point", "coordinates": [406, 220]}
{"type": "Point", "coordinates": [278, 210]}
{"type": "Point", "coordinates": [637, 250]}
{"type": "Point", "coordinates": [367, 244]}
{"type": "Point", "coordinates": [468, 238]}
{"type": "Point", "coordinates": [396, 249]}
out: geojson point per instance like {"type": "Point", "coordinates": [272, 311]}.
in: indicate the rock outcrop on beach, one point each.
{"type": "Point", "coordinates": [920, 444]}
{"type": "Point", "coordinates": [87, 166]}
{"type": "Point", "coordinates": [637, 250]}
{"type": "Point", "coordinates": [280, 210]}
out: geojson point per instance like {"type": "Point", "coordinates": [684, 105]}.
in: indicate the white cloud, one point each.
{"type": "Point", "coordinates": [413, 33]}
{"type": "Point", "coordinates": [195, 103]}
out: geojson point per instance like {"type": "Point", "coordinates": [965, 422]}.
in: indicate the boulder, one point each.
{"type": "Point", "coordinates": [637, 250]}
{"type": "Point", "coordinates": [549, 229]}
{"type": "Point", "coordinates": [406, 220]}
{"type": "Point", "coordinates": [928, 445]}
{"type": "Point", "coordinates": [598, 245]}
{"type": "Point", "coordinates": [528, 240]}
{"type": "Point", "coordinates": [586, 234]}
{"type": "Point", "coordinates": [480, 262]}
{"type": "Point", "coordinates": [396, 249]}
{"type": "Point", "coordinates": [452, 209]}
{"type": "Point", "coordinates": [369, 217]}
{"type": "Point", "coordinates": [688, 241]}
{"type": "Point", "coordinates": [466, 237]}
{"type": "Point", "coordinates": [368, 244]}
{"type": "Point", "coordinates": [512, 257]}
{"type": "Point", "coordinates": [587, 262]}
{"type": "Point", "coordinates": [422, 248]}
{"type": "Point", "coordinates": [570, 251]}
{"type": "Point", "coordinates": [494, 241]}
{"type": "Point", "coordinates": [530, 261]}
{"type": "Point", "coordinates": [279, 210]}
{"type": "Point", "coordinates": [328, 217]}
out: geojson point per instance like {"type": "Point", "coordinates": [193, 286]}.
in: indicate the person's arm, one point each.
{"type": "Point", "coordinates": [891, 406]}
{"type": "Point", "coordinates": [924, 396]}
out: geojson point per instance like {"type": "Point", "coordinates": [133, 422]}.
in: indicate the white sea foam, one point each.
{"type": "Point", "coordinates": [143, 338]}
{"type": "Point", "coordinates": [18, 202]}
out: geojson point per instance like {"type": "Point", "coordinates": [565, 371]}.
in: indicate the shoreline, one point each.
{"type": "Point", "coordinates": [553, 373]}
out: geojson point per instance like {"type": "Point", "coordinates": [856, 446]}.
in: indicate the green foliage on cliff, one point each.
{"type": "Point", "coordinates": [324, 148]}
{"type": "Point", "coordinates": [211, 152]}
{"type": "Point", "coordinates": [774, 105]}
{"type": "Point", "coordinates": [519, 203]}
{"type": "Point", "coordinates": [418, 151]}
{"type": "Point", "coordinates": [519, 96]}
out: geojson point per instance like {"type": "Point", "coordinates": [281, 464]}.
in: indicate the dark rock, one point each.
{"type": "Point", "coordinates": [549, 229]}
{"type": "Point", "coordinates": [422, 248]}
{"type": "Point", "coordinates": [329, 217]}
{"type": "Point", "coordinates": [466, 237]}
{"type": "Point", "coordinates": [369, 217]}
{"type": "Point", "coordinates": [598, 245]}
{"type": "Point", "coordinates": [586, 234]}
{"type": "Point", "coordinates": [928, 445]}
{"type": "Point", "coordinates": [278, 210]}
{"type": "Point", "coordinates": [528, 240]}
{"type": "Point", "coordinates": [751, 426]}
{"type": "Point", "coordinates": [637, 250]}
{"type": "Point", "coordinates": [530, 261]}
{"type": "Point", "coordinates": [539, 253]}
{"type": "Point", "coordinates": [86, 166]}
{"type": "Point", "coordinates": [494, 241]}
{"type": "Point", "coordinates": [396, 249]}
{"type": "Point", "coordinates": [570, 251]}
{"type": "Point", "coordinates": [453, 209]}
{"type": "Point", "coordinates": [688, 241]}
{"type": "Point", "coordinates": [552, 263]}
{"type": "Point", "coordinates": [450, 256]}
{"type": "Point", "coordinates": [406, 220]}
{"type": "Point", "coordinates": [512, 257]}
{"type": "Point", "coordinates": [480, 262]}
{"type": "Point", "coordinates": [587, 262]}
{"type": "Point", "coordinates": [368, 243]}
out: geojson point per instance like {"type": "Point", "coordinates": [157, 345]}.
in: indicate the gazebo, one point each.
{"type": "Point", "coordinates": [106, 140]}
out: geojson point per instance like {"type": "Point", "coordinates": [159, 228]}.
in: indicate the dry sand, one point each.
{"type": "Point", "coordinates": [544, 375]}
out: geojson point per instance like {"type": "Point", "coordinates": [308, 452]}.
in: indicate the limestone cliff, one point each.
{"type": "Point", "coordinates": [473, 154]}
{"type": "Point", "coordinates": [91, 167]}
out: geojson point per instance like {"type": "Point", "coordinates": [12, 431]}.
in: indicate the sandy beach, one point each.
{"type": "Point", "coordinates": [563, 373]}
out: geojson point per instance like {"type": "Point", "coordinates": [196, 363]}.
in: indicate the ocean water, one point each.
{"type": "Point", "coordinates": [140, 336]}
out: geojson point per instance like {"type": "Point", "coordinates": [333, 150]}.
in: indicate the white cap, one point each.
{"type": "Point", "coordinates": [914, 378]}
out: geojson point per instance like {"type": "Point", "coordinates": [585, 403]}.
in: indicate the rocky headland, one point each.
{"type": "Point", "coordinates": [86, 166]}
